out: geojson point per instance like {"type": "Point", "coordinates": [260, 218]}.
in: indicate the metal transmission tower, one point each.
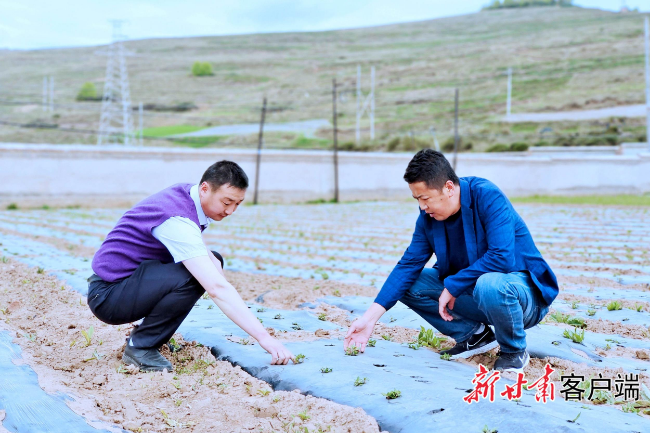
{"type": "Point", "coordinates": [116, 122]}
{"type": "Point", "coordinates": [362, 107]}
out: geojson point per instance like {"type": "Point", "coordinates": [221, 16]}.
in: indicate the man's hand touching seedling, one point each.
{"type": "Point", "coordinates": [361, 329]}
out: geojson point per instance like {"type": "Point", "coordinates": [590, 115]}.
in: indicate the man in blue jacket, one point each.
{"type": "Point", "coordinates": [488, 269]}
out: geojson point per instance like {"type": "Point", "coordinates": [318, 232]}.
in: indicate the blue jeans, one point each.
{"type": "Point", "coordinates": [509, 302]}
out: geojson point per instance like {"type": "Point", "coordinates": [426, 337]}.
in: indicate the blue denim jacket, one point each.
{"type": "Point", "coordinates": [496, 238]}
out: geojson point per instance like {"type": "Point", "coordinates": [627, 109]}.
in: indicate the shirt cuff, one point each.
{"type": "Point", "coordinates": [456, 289]}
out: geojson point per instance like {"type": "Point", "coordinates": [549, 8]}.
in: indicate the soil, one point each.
{"type": "Point", "coordinates": [201, 395]}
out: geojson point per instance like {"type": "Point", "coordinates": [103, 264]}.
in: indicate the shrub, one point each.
{"type": "Point", "coordinates": [202, 69]}
{"type": "Point", "coordinates": [542, 144]}
{"type": "Point", "coordinates": [519, 147]}
{"type": "Point", "coordinates": [88, 92]}
{"type": "Point", "coordinates": [448, 145]}
{"type": "Point", "coordinates": [498, 148]}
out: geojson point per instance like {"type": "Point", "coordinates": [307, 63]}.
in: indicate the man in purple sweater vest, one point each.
{"type": "Point", "coordinates": [154, 266]}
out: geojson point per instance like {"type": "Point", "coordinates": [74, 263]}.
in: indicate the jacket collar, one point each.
{"type": "Point", "coordinates": [468, 221]}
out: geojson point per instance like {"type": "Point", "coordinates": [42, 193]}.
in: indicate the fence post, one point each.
{"type": "Point", "coordinates": [259, 152]}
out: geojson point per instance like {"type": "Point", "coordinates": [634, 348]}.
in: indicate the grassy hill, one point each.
{"type": "Point", "coordinates": [563, 58]}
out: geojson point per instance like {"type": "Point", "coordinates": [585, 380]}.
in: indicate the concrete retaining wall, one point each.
{"type": "Point", "coordinates": [34, 175]}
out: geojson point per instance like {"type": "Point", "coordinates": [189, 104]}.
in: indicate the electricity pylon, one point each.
{"type": "Point", "coordinates": [116, 122]}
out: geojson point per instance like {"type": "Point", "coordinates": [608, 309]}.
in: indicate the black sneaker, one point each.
{"type": "Point", "coordinates": [512, 361]}
{"type": "Point", "coordinates": [477, 343]}
{"type": "Point", "coordinates": [146, 359]}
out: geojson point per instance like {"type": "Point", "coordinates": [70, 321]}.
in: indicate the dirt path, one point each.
{"type": "Point", "coordinates": [638, 110]}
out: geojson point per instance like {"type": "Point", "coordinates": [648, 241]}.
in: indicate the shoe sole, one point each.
{"type": "Point", "coordinates": [477, 351]}
{"type": "Point", "coordinates": [130, 361]}
{"type": "Point", "coordinates": [519, 370]}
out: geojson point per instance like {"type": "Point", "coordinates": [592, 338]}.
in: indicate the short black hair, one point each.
{"type": "Point", "coordinates": [225, 172]}
{"type": "Point", "coordinates": [431, 167]}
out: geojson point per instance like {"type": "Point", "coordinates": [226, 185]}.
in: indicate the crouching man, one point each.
{"type": "Point", "coordinates": [488, 270]}
{"type": "Point", "coordinates": [155, 266]}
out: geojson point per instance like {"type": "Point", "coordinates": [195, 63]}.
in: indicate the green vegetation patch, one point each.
{"type": "Point", "coordinates": [165, 131]}
{"type": "Point", "coordinates": [606, 200]}
{"type": "Point", "coordinates": [197, 142]}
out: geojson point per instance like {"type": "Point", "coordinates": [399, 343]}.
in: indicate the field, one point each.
{"type": "Point", "coordinates": [307, 271]}
{"type": "Point", "coordinates": [563, 59]}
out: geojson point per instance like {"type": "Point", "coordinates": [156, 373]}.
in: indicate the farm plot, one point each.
{"type": "Point", "coordinates": [308, 270]}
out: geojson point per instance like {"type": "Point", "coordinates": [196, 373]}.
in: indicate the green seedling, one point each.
{"type": "Point", "coordinates": [96, 356]}
{"type": "Point", "coordinates": [426, 337]}
{"type": "Point", "coordinates": [322, 316]}
{"type": "Point", "coordinates": [358, 381]}
{"type": "Point", "coordinates": [372, 342]}
{"type": "Point", "coordinates": [487, 429]}
{"type": "Point", "coordinates": [607, 347]}
{"type": "Point", "coordinates": [296, 326]}
{"type": "Point", "coordinates": [392, 319]}
{"type": "Point", "coordinates": [630, 408]}
{"type": "Point", "coordinates": [260, 319]}
{"type": "Point", "coordinates": [445, 356]}
{"type": "Point", "coordinates": [261, 310]}
{"type": "Point", "coordinates": [210, 307]}
{"type": "Point", "coordinates": [303, 415]}
{"type": "Point", "coordinates": [391, 395]}
{"type": "Point", "coordinates": [414, 345]}
{"type": "Point", "coordinates": [40, 270]}
{"type": "Point", "coordinates": [325, 370]}
{"type": "Point", "coordinates": [73, 343]}
{"type": "Point", "coordinates": [638, 308]}
{"type": "Point", "coordinates": [30, 337]}
{"type": "Point", "coordinates": [574, 305]}
{"type": "Point", "coordinates": [5, 259]}
{"type": "Point", "coordinates": [278, 317]}
{"type": "Point", "coordinates": [300, 358]}
{"type": "Point", "coordinates": [276, 399]}
{"type": "Point", "coordinates": [264, 392]}
{"type": "Point", "coordinates": [614, 305]}
{"type": "Point", "coordinates": [88, 335]}
{"type": "Point", "coordinates": [337, 293]}
{"type": "Point", "coordinates": [352, 351]}
{"type": "Point", "coordinates": [387, 337]}
{"type": "Point", "coordinates": [205, 296]}
{"type": "Point", "coordinates": [178, 402]}
{"type": "Point", "coordinates": [559, 317]}
{"type": "Point", "coordinates": [121, 369]}
{"type": "Point", "coordinates": [575, 335]}
{"type": "Point", "coordinates": [591, 312]}
{"type": "Point", "coordinates": [175, 347]}
{"type": "Point", "coordinates": [177, 385]}
{"type": "Point", "coordinates": [577, 322]}
{"type": "Point", "coordinates": [244, 341]}
{"type": "Point", "coordinates": [575, 419]}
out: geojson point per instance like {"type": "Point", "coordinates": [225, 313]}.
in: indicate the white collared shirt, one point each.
{"type": "Point", "coordinates": [181, 235]}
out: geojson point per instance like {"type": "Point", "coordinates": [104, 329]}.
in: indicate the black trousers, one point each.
{"type": "Point", "coordinates": [161, 293]}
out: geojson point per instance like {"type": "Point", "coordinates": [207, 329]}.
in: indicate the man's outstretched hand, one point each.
{"type": "Point", "coordinates": [280, 354]}
{"type": "Point", "coordinates": [358, 334]}
{"type": "Point", "coordinates": [445, 301]}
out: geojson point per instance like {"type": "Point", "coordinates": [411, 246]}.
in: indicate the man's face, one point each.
{"type": "Point", "coordinates": [438, 204]}
{"type": "Point", "coordinates": [221, 202]}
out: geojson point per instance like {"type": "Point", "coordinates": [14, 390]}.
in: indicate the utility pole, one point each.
{"type": "Point", "coordinates": [432, 130]}
{"type": "Point", "coordinates": [509, 92]}
{"type": "Point", "coordinates": [259, 151]}
{"type": "Point", "coordinates": [368, 102]}
{"type": "Point", "coordinates": [647, 81]}
{"type": "Point", "coordinates": [140, 122]}
{"type": "Point", "coordinates": [336, 143]}
{"type": "Point", "coordinates": [456, 138]}
{"type": "Point", "coordinates": [116, 122]}
{"type": "Point", "coordinates": [45, 91]}
{"type": "Point", "coordinates": [51, 93]}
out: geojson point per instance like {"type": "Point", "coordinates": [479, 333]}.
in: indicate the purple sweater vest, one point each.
{"type": "Point", "coordinates": [131, 242]}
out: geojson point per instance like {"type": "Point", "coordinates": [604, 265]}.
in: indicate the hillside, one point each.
{"type": "Point", "coordinates": [563, 59]}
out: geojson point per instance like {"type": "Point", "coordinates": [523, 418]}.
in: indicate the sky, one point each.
{"type": "Point", "coordinates": [35, 24]}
